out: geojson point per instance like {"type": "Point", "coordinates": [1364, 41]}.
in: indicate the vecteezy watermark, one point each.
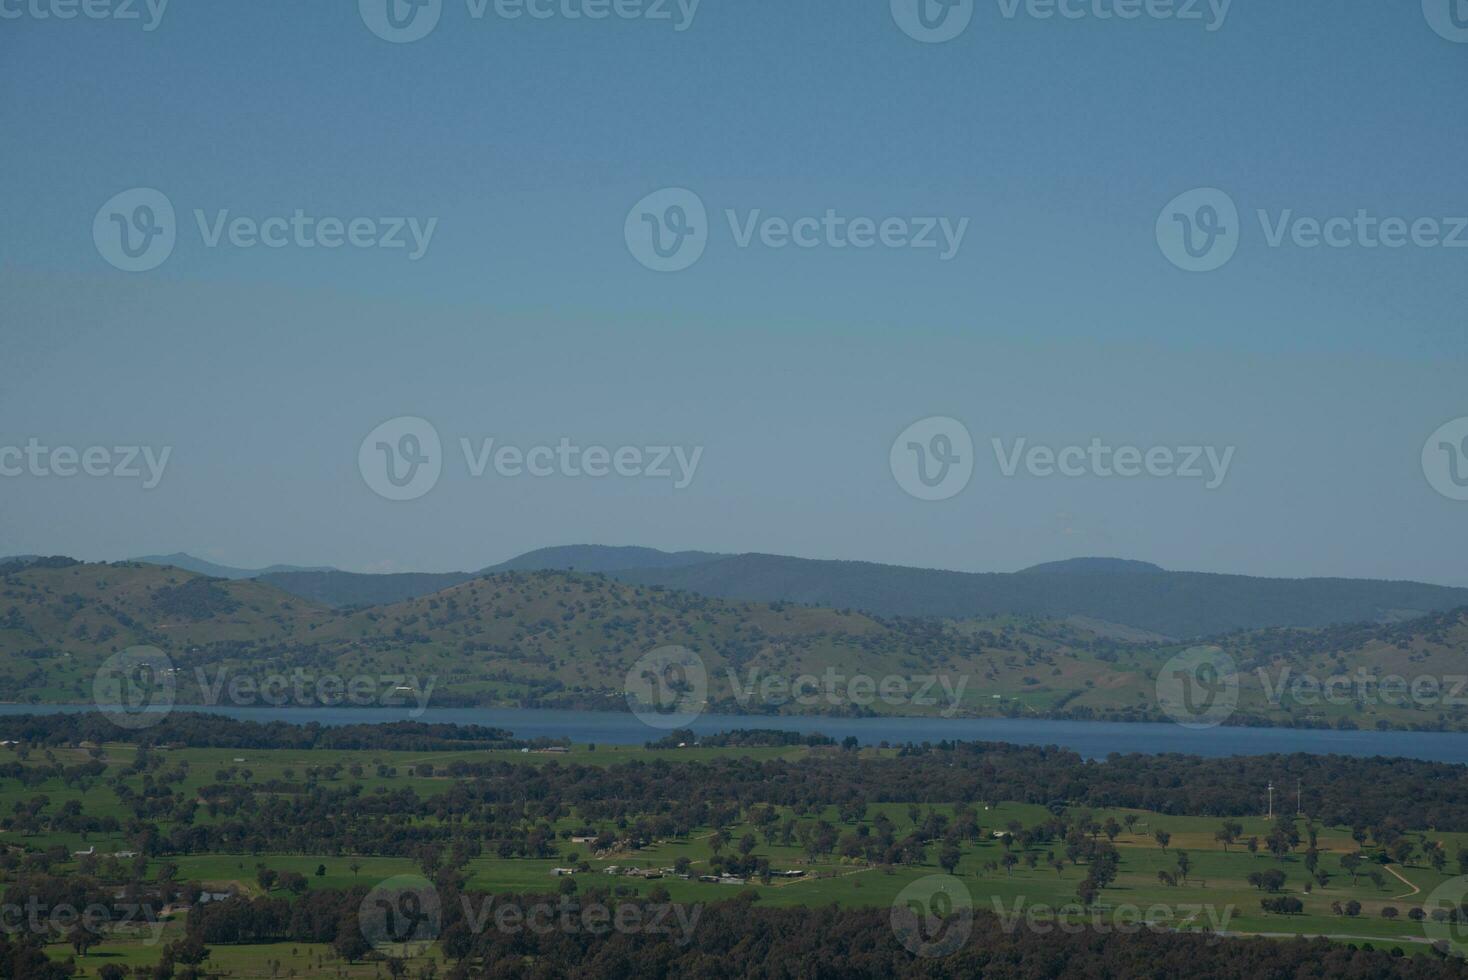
{"type": "Point", "coordinates": [95, 920]}
{"type": "Point", "coordinates": [145, 463]}
{"type": "Point", "coordinates": [1199, 688]}
{"type": "Point", "coordinates": [404, 21]}
{"type": "Point", "coordinates": [300, 689]}
{"type": "Point", "coordinates": [148, 12]}
{"type": "Point", "coordinates": [1449, 18]}
{"type": "Point", "coordinates": [571, 916]}
{"type": "Point", "coordinates": [932, 21]}
{"type": "Point", "coordinates": [1445, 918]}
{"type": "Point", "coordinates": [936, 21]}
{"type": "Point", "coordinates": [837, 689]}
{"type": "Point", "coordinates": [135, 688]}
{"type": "Point", "coordinates": [1097, 459]}
{"type": "Point", "coordinates": [933, 459]}
{"type": "Point", "coordinates": [1445, 459]}
{"type": "Point", "coordinates": [402, 459]}
{"type": "Point", "coordinates": [667, 687]}
{"type": "Point", "coordinates": [934, 916]}
{"type": "Point", "coordinates": [1364, 688]}
{"type": "Point", "coordinates": [137, 229]}
{"type": "Point", "coordinates": [1211, 14]}
{"type": "Point", "coordinates": [668, 230]}
{"type": "Point", "coordinates": [1124, 917]}
{"type": "Point", "coordinates": [402, 912]}
{"type": "Point", "coordinates": [1200, 231]}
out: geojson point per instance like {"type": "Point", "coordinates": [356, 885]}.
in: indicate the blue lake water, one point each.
{"type": "Point", "coordinates": [1091, 739]}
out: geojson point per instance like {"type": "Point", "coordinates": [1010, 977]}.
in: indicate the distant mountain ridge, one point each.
{"type": "Point", "coordinates": [199, 566]}
{"type": "Point", "coordinates": [1177, 604]}
{"type": "Point", "coordinates": [601, 558]}
{"type": "Point", "coordinates": [1093, 566]}
{"type": "Point", "coordinates": [1127, 593]}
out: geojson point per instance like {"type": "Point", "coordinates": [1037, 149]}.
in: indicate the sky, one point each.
{"type": "Point", "coordinates": [575, 235]}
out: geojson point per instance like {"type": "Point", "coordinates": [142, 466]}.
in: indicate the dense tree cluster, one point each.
{"type": "Point", "coordinates": [198, 730]}
{"type": "Point", "coordinates": [740, 938]}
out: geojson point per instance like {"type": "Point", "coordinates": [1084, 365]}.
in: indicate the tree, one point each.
{"type": "Point", "coordinates": [1271, 880]}
{"type": "Point", "coordinates": [1163, 838]}
{"type": "Point", "coordinates": [1389, 912]}
{"type": "Point", "coordinates": [948, 858]}
{"type": "Point", "coordinates": [1086, 892]}
{"type": "Point", "coordinates": [82, 939]}
{"type": "Point", "coordinates": [190, 951]}
{"type": "Point", "coordinates": [1352, 863]}
{"type": "Point", "coordinates": [1184, 863]}
{"type": "Point", "coordinates": [1229, 833]}
{"type": "Point", "coordinates": [349, 943]}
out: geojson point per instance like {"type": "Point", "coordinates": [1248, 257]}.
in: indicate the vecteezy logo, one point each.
{"type": "Point", "coordinates": [1199, 231]}
{"type": "Point", "coordinates": [933, 21]}
{"type": "Point", "coordinates": [403, 911]}
{"type": "Point", "coordinates": [135, 688]}
{"type": "Point", "coordinates": [1448, 17]}
{"type": "Point", "coordinates": [933, 916]}
{"type": "Point", "coordinates": [1446, 921]}
{"type": "Point", "coordinates": [400, 21]}
{"type": "Point", "coordinates": [667, 687]}
{"type": "Point", "coordinates": [933, 459]}
{"type": "Point", "coordinates": [402, 458]}
{"type": "Point", "coordinates": [1445, 459]}
{"type": "Point", "coordinates": [1199, 687]}
{"type": "Point", "coordinates": [135, 231]}
{"type": "Point", "coordinates": [668, 230]}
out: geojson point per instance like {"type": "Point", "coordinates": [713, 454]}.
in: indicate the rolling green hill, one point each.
{"type": "Point", "coordinates": [191, 564]}
{"type": "Point", "coordinates": [558, 639]}
{"type": "Point", "coordinates": [1177, 604]}
{"type": "Point", "coordinates": [1132, 594]}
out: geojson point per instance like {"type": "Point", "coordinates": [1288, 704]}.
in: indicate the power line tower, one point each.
{"type": "Point", "coordinates": [1271, 799]}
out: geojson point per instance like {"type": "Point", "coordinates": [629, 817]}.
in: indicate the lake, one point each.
{"type": "Point", "coordinates": [1092, 739]}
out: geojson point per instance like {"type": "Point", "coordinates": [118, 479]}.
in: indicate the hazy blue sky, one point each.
{"type": "Point", "coordinates": [529, 319]}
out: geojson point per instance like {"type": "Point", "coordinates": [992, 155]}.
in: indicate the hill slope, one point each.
{"type": "Point", "coordinates": [201, 567]}
{"type": "Point", "coordinates": [353, 589]}
{"type": "Point", "coordinates": [554, 639]}
{"type": "Point", "coordinates": [601, 558]}
{"type": "Point", "coordinates": [1178, 604]}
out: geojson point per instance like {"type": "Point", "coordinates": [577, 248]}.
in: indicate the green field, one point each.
{"type": "Point", "coordinates": [1216, 894]}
